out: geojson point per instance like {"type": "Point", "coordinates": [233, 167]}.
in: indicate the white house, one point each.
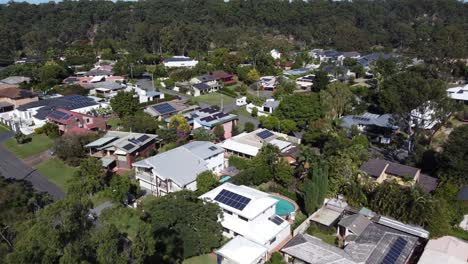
{"type": "Point", "coordinates": [249, 213]}
{"type": "Point", "coordinates": [144, 96]}
{"type": "Point", "coordinates": [268, 82]}
{"type": "Point", "coordinates": [459, 93]}
{"type": "Point", "coordinates": [178, 168]}
{"type": "Point", "coordinates": [180, 62]}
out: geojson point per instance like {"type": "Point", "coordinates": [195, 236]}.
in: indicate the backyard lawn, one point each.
{"type": "Point", "coordinates": [38, 144]}
{"type": "Point", "coordinates": [215, 99]}
{"type": "Point", "coordinates": [114, 122]}
{"type": "Point", "coordinates": [127, 221]}
{"type": "Point", "coordinates": [203, 259]}
{"type": "Point", "coordinates": [3, 129]}
{"type": "Point", "coordinates": [57, 172]}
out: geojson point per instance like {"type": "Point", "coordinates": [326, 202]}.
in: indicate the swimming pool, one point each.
{"type": "Point", "coordinates": [284, 207]}
{"type": "Point", "coordinates": [224, 179]}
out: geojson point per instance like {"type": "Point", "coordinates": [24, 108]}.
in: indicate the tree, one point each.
{"type": "Point", "coordinates": [202, 134]}
{"type": "Point", "coordinates": [70, 148]}
{"type": "Point", "coordinates": [300, 108]}
{"type": "Point", "coordinates": [219, 132]}
{"type": "Point", "coordinates": [179, 123]}
{"type": "Point", "coordinates": [252, 76]}
{"type": "Point", "coordinates": [144, 245]}
{"type": "Point", "coordinates": [140, 123]}
{"type": "Point", "coordinates": [336, 100]}
{"type": "Point", "coordinates": [107, 241]}
{"type": "Point", "coordinates": [249, 127]}
{"type": "Point", "coordinates": [21, 138]}
{"type": "Point", "coordinates": [90, 178]}
{"type": "Point", "coordinates": [254, 112]}
{"type": "Point", "coordinates": [50, 129]}
{"type": "Point", "coordinates": [206, 181]}
{"type": "Point", "coordinates": [125, 104]}
{"type": "Point", "coordinates": [321, 81]}
{"type": "Point", "coordinates": [315, 187]}
{"type": "Point", "coordinates": [452, 160]}
{"type": "Point", "coordinates": [120, 187]}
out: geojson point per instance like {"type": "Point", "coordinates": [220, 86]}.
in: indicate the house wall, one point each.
{"type": "Point", "coordinates": [216, 163]}
{"type": "Point", "coordinates": [228, 129]}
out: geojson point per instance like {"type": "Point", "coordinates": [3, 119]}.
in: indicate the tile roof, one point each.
{"type": "Point", "coordinates": [356, 223]}
{"type": "Point", "coordinates": [13, 92]}
{"type": "Point", "coordinates": [427, 183]}
{"type": "Point", "coordinates": [375, 167]}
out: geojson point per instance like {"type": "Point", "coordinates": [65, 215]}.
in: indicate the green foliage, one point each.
{"type": "Point", "coordinates": [206, 181]}
{"type": "Point", "coordinates": [238, 162]}
{"type": "Point", "coordinates": [90, 178]}
{"type": "Point", "coordinates": [321, 81]}
{"type": "Point", "coordinates": [120, 187]}
{"type": "Point", "coordinates": [276, 258]}
{"type": "Point", "coordinates": [140, 123]}
{"type": "Point", "coordinates": [187, 236]}
{"type": "Point", "coordinates": [336, 100]}
{"type": "Point", "coordinates": [21, 138]}
{"type": "Point", "coordinates": [273, 123]}
{"type": "Point", "coordinates": [300, 108]}
{"type": "Point", "coordinates": [229, 92]}
{"type": "Point", "coordinates": [202, 134]}
{"type": "Point", "coordinates": [70, 89]}
{"type": "Point", "coordinates": [70, 148]}
{"type": "Point", "coordinates": [315, 187]}
{"type": "Point", "coordinates": [452, 160]}
{"type": "Point", "coordinates": [219, 132]}
{"type": "Point", "coordinates": [249, 127]}
{"type": "Point", "coordinates": [124, 104]}
{"type": "Point", "coordinates": [254, 112]}
{"type": "Point", "coordinates": [50, 129]}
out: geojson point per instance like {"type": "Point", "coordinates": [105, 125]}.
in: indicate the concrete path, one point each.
{"type": "Point", "coordinates": [13, 168]}
{"type": "Point", "coordinates": [35, 160]}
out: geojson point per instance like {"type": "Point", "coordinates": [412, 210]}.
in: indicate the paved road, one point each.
{"type": "Point", "coordinates": [7, 135]}
{"type": "Point", "coordinates": [13, 168]}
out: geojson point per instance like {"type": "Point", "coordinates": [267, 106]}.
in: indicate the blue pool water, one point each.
{"type": "Point", "coordinates": [284, 207]}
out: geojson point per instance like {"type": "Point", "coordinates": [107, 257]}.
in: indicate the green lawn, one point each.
{"type": "Point", "coordinates": [327, 235]}
{"type": "Point", "coordinates": [214, 99]}
{"type": "Point", "coordinates": [124, 218]}
{"type": "Point", "coordinates": [57, 172]}
{"type": "Point", "coordinates": [114, 122]}
{"type": "Point", "coordinates": [203, 259]}
{"type": "Point", "coordinates": [3, 129]}
{"type": "Point", "coordinates": [38, 144]}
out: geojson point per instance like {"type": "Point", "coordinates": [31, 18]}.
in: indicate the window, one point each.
{"type": "Point", "coordinates": [226, 230]}
{"type": "Point", "coordinates": [227, 212]}
{"type": "Point", "coordinates": [243, 218]}
{"type": "Point", "coordinates": [272, 240]}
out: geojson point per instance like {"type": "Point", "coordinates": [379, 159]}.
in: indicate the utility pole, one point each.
{"type": "Point", "coordinates": [152, 80]}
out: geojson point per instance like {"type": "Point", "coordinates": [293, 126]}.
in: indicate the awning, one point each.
{"type": "Point", "coordinates": [107, 161]}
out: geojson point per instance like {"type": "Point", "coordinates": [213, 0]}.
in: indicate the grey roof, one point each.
{"type": "Point", "coordinates": [374, 167]}
{"type": "Point", "coordinates": [271, 104]}
{"type": "Point", "coordinates": [111, 85]}
{"type": "Point", "coordinates": [314, 251]}
{"type": "Point", "coordinates": [368, 119]}
{"type": "Point", "coordinates": [182, 164]}
{"type": "Point", "coordinates": [427, 183]}
{"type": "Point", "coordinates": [202, 86]}
{"type": "Point", "coordinates": [178, 58]}
{"type": "Point", "coordinates": [15, 80]}
{"type": "Point", "coordinates": [153, 93]}
{"type": "Point", "coordinates": [69, 102]}
{"type": "Point", "coordinates": [349, 54]}
{"type": "Point", "coordinates": [125, 141]}
{"type": "Point", "coordinates": [463, 194]}
{"type": "Point", "coordinates": [99, 72]}
{"type": "Point", "coordinates": [376, 241]}
{"type": "Point", "coordinates": [356, 223]}
{"type": "Point", "coordinates": [203, 149]}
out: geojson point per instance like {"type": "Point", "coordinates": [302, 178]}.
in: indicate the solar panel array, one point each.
{"type": "Point", "coordinates": [264, 134]}
{"type": "Point", "coordinates": [277, 220]}
{"type": "Point", "coordinates": [164, 108]}
{"type": "Point", "coordinates": [213, 148]}
{"type": "Point", "coordinates": [395, 251]}
{"type": "Point", "coordinates": [59, 115]}
{"type": "Point", "coordinates": [233, 200]}
{"type": "Point", "coordinates": [143, 138]}
{"type": "Point", "coordinates": [128, 146]}
{"type": "Point", "coordinates": [361, 118]}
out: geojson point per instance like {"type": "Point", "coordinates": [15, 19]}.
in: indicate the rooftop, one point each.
{"type": "Point", "coordinates": [375, 167]}
{"type": "Point", "coordinates": [178, 58]}
{"type": "Point", "coordinates": [126, 142]}
{"type": "Point", "coordinates": [208, 117]}
{"type": "Point", "coordinates": [463, 194]}
{"type": "Point", "coordinates": [314, 251]}
{"type": "Point", "coordinates": [14, 80]}
{"type": "Point", "coordinates": [168, 108]}
{"type": "Point", "coordinates": [356, 223]}
{"type": "Point", "coordinates": [15, 93]}
{"type": "Point", "coordinates": [242, 250]}
{"type": "Point", "coordinates": [167, 165]}
{"type": "Point", "coordinates": [368, 119]}
{"type": "Point", "coordinates": [446, 249]}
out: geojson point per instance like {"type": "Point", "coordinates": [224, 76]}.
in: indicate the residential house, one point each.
{"type": "Point", "coordinates": [446, 249]}
{"type": "Point", "coordinates": [463, 194]}
{"type": "Point", "coordinates": [268, 83]}
{"type": "Point", "coordinates": [122, 149]}
{"type": "Point", "coordinates": [143, 95]}
{"type": "Point", "coordinates": [381, 240]}
{"type": "Point", "coordinates": [15, 80]}
{"type": "Point", "coordinates": [248, 144]}
{"type": "Point", "coordinates": [178, 168]}
{"type": "Point", "coordinates": [32, 115]}
{"type": "Point", "coordinates": [11, 96]}
{"type": "Point", "coordinates": [307, 249]}
{"type": "Point", "coordinates": [249, 213]}
{"type": "Point", "coordinates": [305, 82]}
{"type": "Point", "coordinates": [74, 122]}
{"type": "Point", "coordinates": [221, 77]}
{"type": "Point", "coordinates": [164, 110]}
{"type": "Point", "coordinates": [367, 60]}
{"type": "Point", "coordinates": [205, 88]}
{"type": "Point", "coordinates": [180, 62]}
{"type": "Point", "coordinates": [380, 128]}
{"type": "Point", "coordinates": [269, 106]}
{"type": "Point", "coordinates": [382, 170]}
{"type": "Point", "coordinates": [106, 89]}
{"type": "Point", "coordinates": [297, 72]}
{"type": "Point", "coordinates": [240, 250]}
{"type": "Point", "coordinates": [324, 55]}
{"type": "Point", "coordinates": [209, 118]}
{"type": "Point", "coordinates": [349, 54]}
{"type": "Point", "coordinates": [459, 93]}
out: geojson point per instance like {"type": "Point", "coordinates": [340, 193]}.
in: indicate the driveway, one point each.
{"type": "Point", "coordinates": [13, 168]}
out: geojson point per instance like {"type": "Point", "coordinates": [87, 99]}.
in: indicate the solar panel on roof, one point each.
{"type": "Point", "coordinates": [212, 148]}
{"type": "Point", "coordinates": [164, 108]}
{"type": "Point", "coordinates": [233, 200]}
{"type": "Point", "coordinates": [128, 146]}
{"type": "Point", "coordinates": [143, 138]}
{"type": "Point", "coordinates": [264, 134]}
{"type": "Point", "coordinates": [395, 251]}
{"type": "Point", "coordinates": [277, 220]}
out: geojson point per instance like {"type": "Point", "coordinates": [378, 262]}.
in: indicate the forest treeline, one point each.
{"type": "Point", "coordinates": [435, 28]}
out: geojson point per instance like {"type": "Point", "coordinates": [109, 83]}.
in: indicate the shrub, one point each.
{"type": "Point", "coordinates": [239, 163]}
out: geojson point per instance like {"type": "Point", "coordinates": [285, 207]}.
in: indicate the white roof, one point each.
{"type": "Point", "coordinates": [447, 249]}
{"type": "Point", "coordinates": [458, 93]}
{"type": "Point", "coordinates": [233, 145]}
{"type": "Point", "coordinates": [325, 216]}
{"type": "Point", "coordinates": [281, 144]}
{"type": "Point", "coordinates": [251, 143]}
{"type": "Point", "coordinates": [242, 251]}
{"type": "Point", "coordinates": [259, 201]}
{"type": "Point", "coordinates": [97, 79]}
